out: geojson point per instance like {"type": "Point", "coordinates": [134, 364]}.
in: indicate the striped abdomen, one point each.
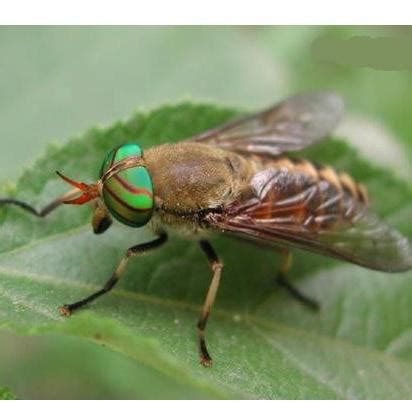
{"type": "Point", "coordinates": [296, 191]}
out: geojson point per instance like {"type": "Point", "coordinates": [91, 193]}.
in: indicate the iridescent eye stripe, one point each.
{"type": "Point", "coordinates": [128, 191]}
{"type": "Point", "coordinates": [133, 189]}
{"type": "Point", "coordinates": [118, 199]}
{"type": "Point", "coordinates": [126, 215]}
{"type": "Point", "coordinates": [136, 177]}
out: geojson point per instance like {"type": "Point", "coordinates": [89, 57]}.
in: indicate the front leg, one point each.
{"type": "Point", "coordinates": [27, 207]}
{"type": "Point", "coordinates": [102, 219]}
{"type": "Point", "coordinates": [67, 310]}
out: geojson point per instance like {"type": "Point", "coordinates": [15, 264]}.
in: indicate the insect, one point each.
{"type": "Point", "coordinates": [236, 180]}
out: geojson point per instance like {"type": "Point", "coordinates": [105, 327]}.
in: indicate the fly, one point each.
{"type": "Point", "coordinates": [237, 181]}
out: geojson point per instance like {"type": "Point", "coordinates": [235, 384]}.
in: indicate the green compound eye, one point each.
{"type": "Point", "coordinates": [129, 194]}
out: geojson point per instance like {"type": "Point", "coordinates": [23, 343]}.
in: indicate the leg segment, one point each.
{"type": "Point", "coordinates": [67, 310]}
{"type": "Point", "coordinates": [46, 210]}
{"type": "Point", "coordinates": [101, 218]}
{"type": "Point", "coordinates": [282, 280]}
{"type": "Point", "coordinates": [216, 266]}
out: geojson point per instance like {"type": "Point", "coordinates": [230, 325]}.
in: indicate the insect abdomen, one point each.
{"type": "Point", "coordinates": [299, 191]}
{"type": "Point", "coordinates": [340, 180]}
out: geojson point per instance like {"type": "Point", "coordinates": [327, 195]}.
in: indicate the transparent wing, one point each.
{"type": "Point", "coordinates": [293, 210]}
{"type": "Point", "coordinates": [291, 125]}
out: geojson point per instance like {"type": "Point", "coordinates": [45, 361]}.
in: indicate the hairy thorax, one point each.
{"type": "Point", "coordinates": [192, 178]}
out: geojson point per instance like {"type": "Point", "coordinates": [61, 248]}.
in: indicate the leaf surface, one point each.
{"type": "Point", "coordinates": [265, 344]}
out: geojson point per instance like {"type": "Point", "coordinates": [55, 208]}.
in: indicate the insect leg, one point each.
{"type": "Point", "coordinates": [101, 218]}
{"type": "Point", "coordinates": [217, 267]}
{"type": "Point", "coordinates": [67, 310]}
{"type": "Point", "coordinates": [43, 212]}
{"type": "Point", "coordinates": [282, 280]}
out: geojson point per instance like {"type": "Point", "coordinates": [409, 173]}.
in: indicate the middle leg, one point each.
{"type": "Point", "coordinates": [216, 266]}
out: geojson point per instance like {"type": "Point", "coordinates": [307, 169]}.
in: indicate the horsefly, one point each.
{"type": "Point", "coordinates": [236, 180]}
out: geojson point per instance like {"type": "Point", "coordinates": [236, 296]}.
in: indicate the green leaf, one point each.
{"type": "Point", "coordinates": [62, 367]}
{"type": "Point", "coordinates": [265, 345]}
{"type": "Point", "coordinates": [6, 395]}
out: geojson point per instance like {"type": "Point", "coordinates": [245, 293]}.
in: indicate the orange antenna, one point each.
{"type": "Point", "coordinates": [89, 192]}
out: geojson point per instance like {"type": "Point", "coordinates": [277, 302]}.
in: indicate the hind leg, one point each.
{"type": "Point", "coordinates": [283, 281]}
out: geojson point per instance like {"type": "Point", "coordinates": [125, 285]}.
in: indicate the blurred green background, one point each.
{"type": "Point", "coordinates": [55, 82]}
